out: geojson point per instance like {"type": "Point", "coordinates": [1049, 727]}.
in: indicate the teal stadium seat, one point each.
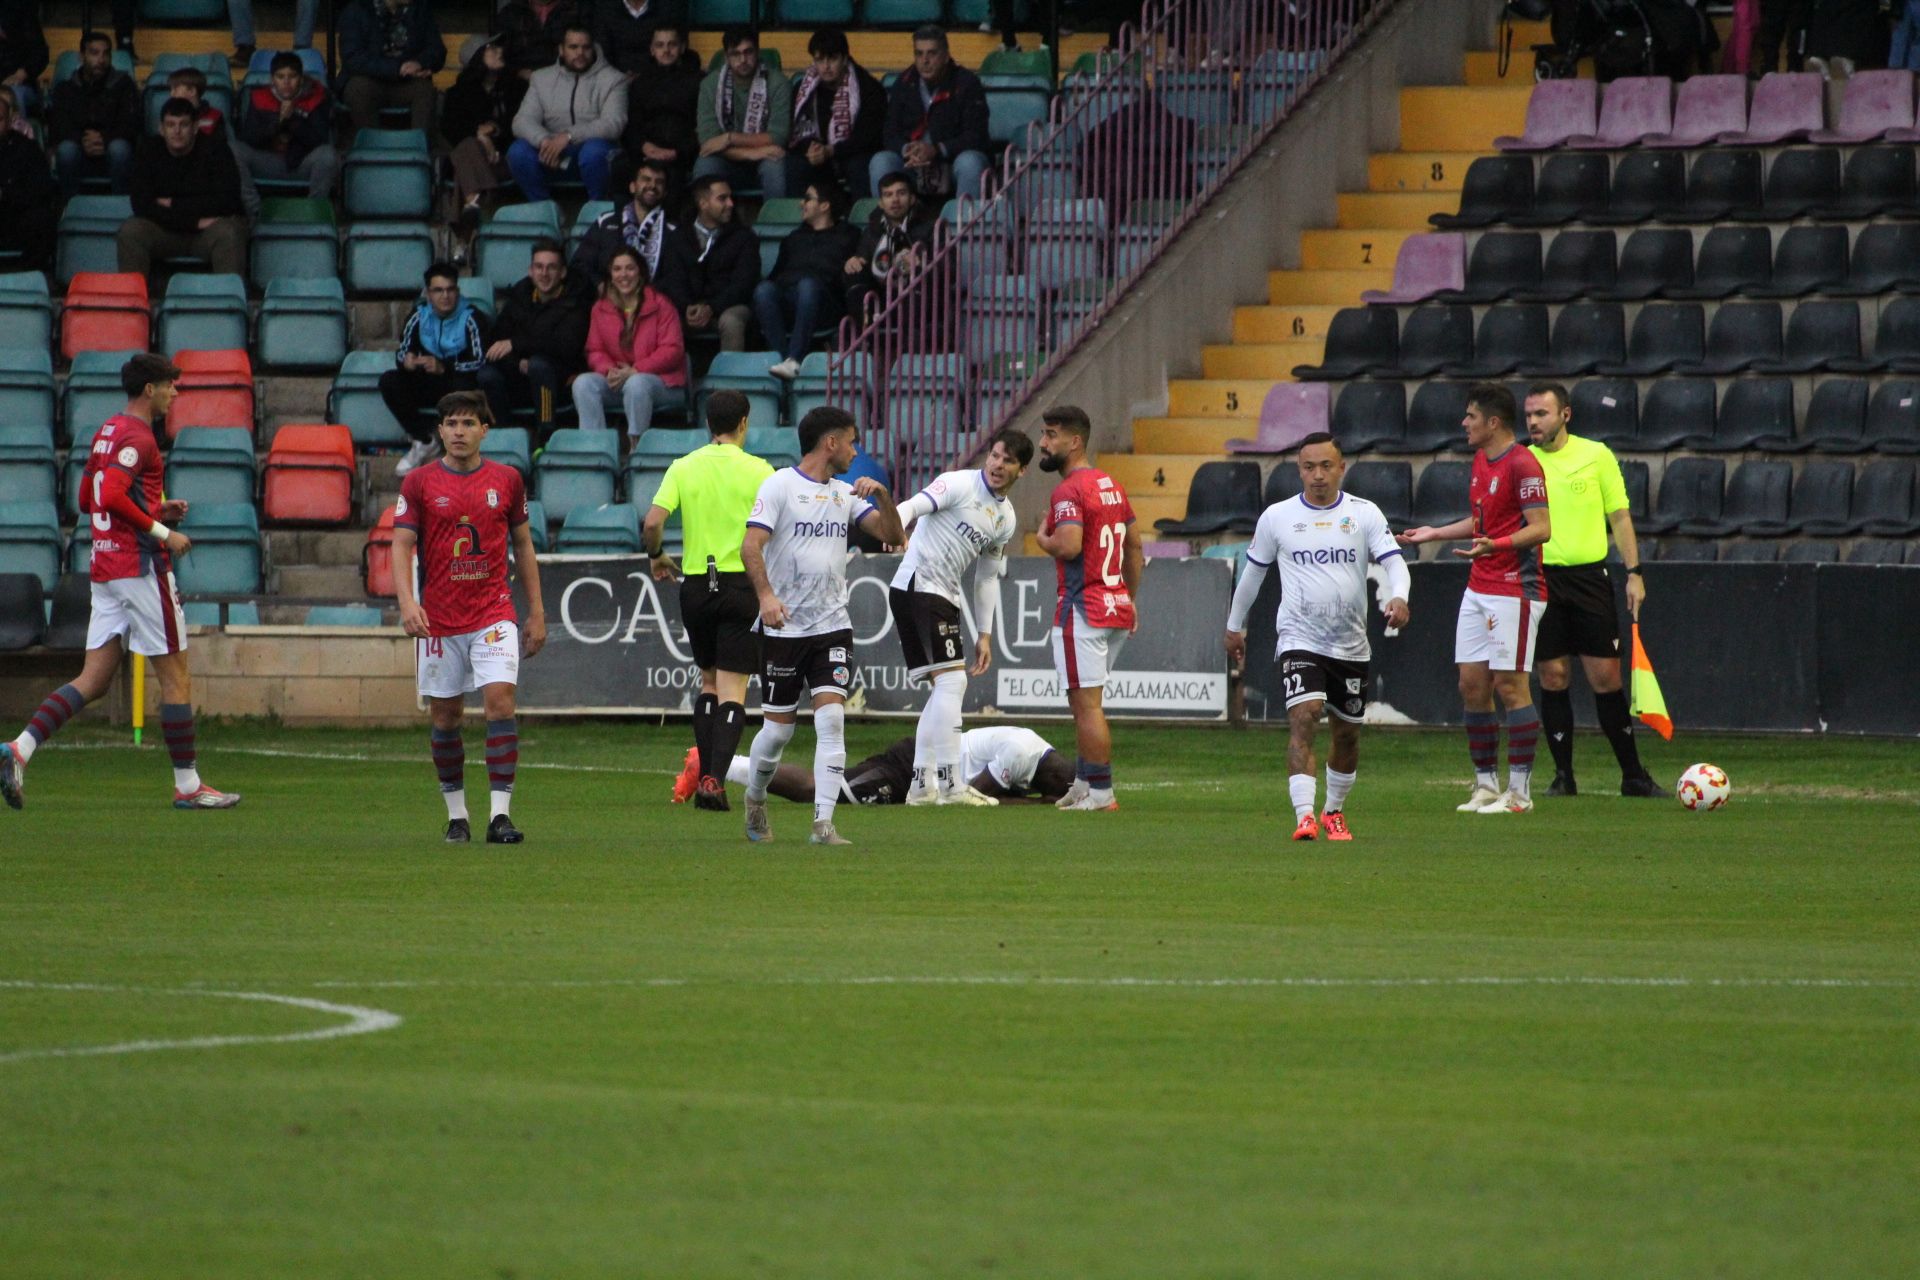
{"type": "Point", "coordinates": [226, 559]}
{"type": "Point", "coordinates": [30, 540]}
{"type": "Point", "coordinates": [388, 173]}
{"type": "Point", "coordinates": [26, 309]}
{"type": "Point", "coordinates": [354, 399]}
{"type": "Point", "coordinates": [69, 62]}
{"type": "Point", "coordinates": [206, 613]}
{"type": "Point", "coordinates": [294, 238]}
{"type": "Point", "coordinates": [211, 465]}
{"type": "Point", "coordinates": [512, 447]}
{"type": "Point", "coordinates": [1001, 315]}
{"type": "Point", "coordinates": [212, 65]}
{"type": "Point", "coordinates": [203, 313]}
{"type": "Point", "coordinates": [777, 221]}
{"type": "Point", "coordinates": [718, 14]}
{"type": "Point", "coordinates": [26, 386]}
{"type": "Point", "coordinates": [925, 398]}
{"type": "Point", "coordinates": [303, 325]}
{"type": "Point", "coordinates": [503, 245]}
{"type": "Point", "coordinates": [1072, 307]}
{"type": "Point", "coordinates": [612, 530]}
{"type": "Point", "coordinates": [27, 472]}
{"type": "Point", "coordinates": [577, 469]}
{"type": "Point", "coordinates": [901, 13]}
{"type": "Point", "coordinates": [88, 236]}
{"type": "Point", "coordinates": [814, 14]}
{"type": "Point", "coordinates": [478, 290]}
{"type": "Point", "coordinates": [183, 11]}
{"type": "Point", "coordinates": [582, 221]}
{"type": "Point", "coordinates": [988, 248]}
{"type": "Point", "coordinates": [537, 522]}
{"type": "Point", "coordinates": [747, 373]}
{"type": "Point", "coordinates": [388, 258]}
{"type": "Point", "coordinates": [808, 391]}
{"type": "Point", "coordinates": [1066, 241]}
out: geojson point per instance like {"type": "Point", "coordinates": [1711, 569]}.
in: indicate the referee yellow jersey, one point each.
{"type": "Point", "coordinates": [1584, 486]}
{"type": "Point", "coordinates": [713, 488]}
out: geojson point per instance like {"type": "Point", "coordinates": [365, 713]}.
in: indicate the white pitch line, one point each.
{"type": "Point", "coordinates": [359, 757]}
{"type": "Point", "coordinates": [1040, 980]}
{"type": "Point", "coordinates": [360, 1021]}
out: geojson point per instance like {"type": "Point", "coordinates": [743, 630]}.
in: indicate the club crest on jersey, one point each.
{"type": "Point", "coordinates": [1346, 524]}
{"type": "Point", "coordinates": [400, 507]}
{"type": "Point", "coordinates": [493, 498]}
{"type": "Point", "coordinates": [1493, 485]}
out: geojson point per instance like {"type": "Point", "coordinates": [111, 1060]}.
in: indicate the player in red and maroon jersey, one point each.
{"type": "Point", "coordinates": [135, 602]}
{"type": "Point", "coordinates": [459, 513]}
{"type": "Point", "coordinates": [1090, 531]}
{"type": "Point", "coordinates": [1506, 596]}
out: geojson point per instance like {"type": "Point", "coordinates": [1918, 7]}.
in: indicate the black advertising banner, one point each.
{"type": "Point", "coordinates": [615, 643]}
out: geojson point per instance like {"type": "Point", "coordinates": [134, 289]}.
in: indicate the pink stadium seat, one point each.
{"type": "Point", "coordinates": [1426, 264]}
{"type": "Point", "coordinates": [1557, 110]}
{"type": "Point", "coordinates": [309, 475]}
{"type": "Point", "coordinates": [1633, 108]}
{"type": "Point", "coordinates": [1291, 412]}
{"type": "Point", "coordinates": [1154, 550]}
{"type": "Point", "coordinates": [1787, 106]}
{"type": "Point", "coordinates": [1875, 103]}
{"type": "Point", "coordinates": [1706, 107]}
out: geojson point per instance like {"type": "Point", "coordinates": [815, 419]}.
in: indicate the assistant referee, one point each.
{"type": "Point", "coordinates": [714, 488]}
{"type": "Point", "coordinates": [1586, 496]}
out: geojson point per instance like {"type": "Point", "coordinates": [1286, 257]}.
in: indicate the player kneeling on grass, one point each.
{"type": "Point", "coordinates": [459, 513]}
{"type": "Point", "coordinates": [1007, 763]}
{"type": "Point", "coordinates": [135, 602]}
{"type": "Point", "coordinates": [1322, 539]}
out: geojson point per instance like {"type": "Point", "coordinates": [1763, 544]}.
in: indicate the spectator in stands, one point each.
{"type": "Point", "coordinates": [936, 122]}
{"type": "Point", "coordinates": [640, 225]}
{"type": "Point", "coordinates": [570, 121]}
{"type": "Point", "coordinates": [663, 106]}
{"type": "Point", "coordinates": [240, 14]}
{"type": "Point", "coordinates": [531, 30]}
{"type": "Point", "coordinates": [94, 119]}
{"type": "Point", "coordinates": [286, 128]}
{"type": "Point", "coordinates": [190, 83]}
{"type": "Point", "coordinates": [746, 113]}
{"type": "Point", "coordinates": [540, 339]}
{"type": "Point", "coordinates": [478, 121]}
{"type": "Point", "coordinates": [186, 199]}
{"type": "Point", "coordinates": [23, 53]}
{"type": "Point", "coordinates": [898, 238]}
{"type": "Point", "coordinates": [625, 32]}
{"type": "Point", "coordinates": [389, 50]}
{"type": "Point", "coordinates": [441, 350]}
{"type": "Point", "coordinates": [839, 115]}
{"type": "Point", "coordinates": [710, 266]}
{"type": "Point", "coordinates": [28, 211]}
{"type": "Point", "coordinates": [808, 288]}
{"type": "Point", "coordinates": [635, 352]}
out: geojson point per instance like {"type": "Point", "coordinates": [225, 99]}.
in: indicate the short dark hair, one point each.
{"type": "Point", "coordinates": [704, 184]}
{"type": "Point", "coordinates": [895, 178]}
{"type": "Point", "coordinates": [734, 35]}
{"type": "Point", "coordinates": [473, 402]}
{"type": "Point", "coordinates": [648, 162]}
{"type": "Point", "coordinates": [1018, 443]}
{"type": "Point", "coordinates": [188, 75]}
{"type": "Point", "coordinates": [95, 37]}
{"type": "Point", "coordinates": [930, 31]}
{"type": "Point", "coordinates": [176, 107]}
{"type": "Point", "coordinates": [726, 410]}
{"type": "Point", "coordinates": [440, 271]}
{"type": "Point", "coordinates": [1495, 401]}
{"type": "Point", "coordinates": [1554, 389]}
{"type": "Point", "coordinates": [581, 27]}
{"type": "Point", "coordinates": [832, 194]}
{"type": "Point", "coordinates": [284, 61]}
{"type": "Point", "coordinates": [677, 28]}
{"type": "Point", "coordinates": [822, 421]}
{"type": "Point", "coordinates": [1319, 437]}
{"type": "Point", "coordinates": [547, 244]}
{"type": "Point", "coordinates": [1070, 416]}
{"type": "Point", "coordinates": [829, 42]}
{"type": "Point", "coordinates": [144, 370]}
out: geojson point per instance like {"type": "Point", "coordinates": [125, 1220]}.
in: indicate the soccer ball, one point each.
{"type": "Point", "coordinates": [1703, 786]}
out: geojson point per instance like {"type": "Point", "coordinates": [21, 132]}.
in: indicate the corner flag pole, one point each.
{"type": "Point", "coordinates": [139, 697]}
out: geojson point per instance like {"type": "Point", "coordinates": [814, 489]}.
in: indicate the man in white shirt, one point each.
{"type": "Point", "coordinates": [960, 517]}
{"type": "Point", "coordinates": [795, 553]}
{"type": "Point", "coordinates": [1322, 540]}
{"type": "Point", "coordinates": [1013, 764]}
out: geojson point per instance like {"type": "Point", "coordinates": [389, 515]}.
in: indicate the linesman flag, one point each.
{"type": "Point", "coordinates": [1648, 704]}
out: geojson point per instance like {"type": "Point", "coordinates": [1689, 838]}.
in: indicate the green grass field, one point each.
{"type": "Point", "coordinates": [1612, 1039]}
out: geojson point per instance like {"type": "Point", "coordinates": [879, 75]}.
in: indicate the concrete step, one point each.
{"type": "Point", "coordinates": [1238, 399]}
{"type": "Point", "coordinates": [1350, 250]}
{"type": "Point", "coordinates": [1188, 435]}
{"type": "Point", "coordinates": [1326, 288]}
{"type": "Point", "coordinates": [1148, 508]}
{"type": "Point", "coordinates": [316, 548]}
{"type": "Point", "coordinates": [1419, 170]}
{"type": "Point", "coordinates": [334, 582]}
{"type": "Point", "coordinates": [1274, 362]}
{"type": "Point", "coordinates": [1163, 474]}
{"type": "Point", "coordinates": [1404, 210]}
{"type": "Point", "coordinates": [287, 398]}
{"type": "Point", "coordinates": [1282, 324]}
{"type": "Point", "coordinates": [1452, 118]}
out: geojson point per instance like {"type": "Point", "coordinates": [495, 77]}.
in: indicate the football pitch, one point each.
{"type": "Point", "coordinates": [1608, 1039]}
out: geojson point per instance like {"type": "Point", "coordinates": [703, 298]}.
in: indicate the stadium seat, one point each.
{"type": "Point", "coordinates": [23, 618]}
{"type": "Point", "coordinates": [1607, 410]}
{"type": "Point", "coordinates": [1877, 181]}
{"type": "Point", "coordinates": [1886, 259]}
{"type": "Point", "coordinates": [1757, 500]}
{"type": "Point", "coordinates": [30, 540]}
{"type": "Point", "coordinates": [1577, 263]}
{"type": "Point", "coordinates": [719, 14]}
{"type": "Point", "coordinates": [1501, 262]}
{"type": "Point", "coordinates": [747, 373]}
{"type": "Point", "coordinates": [1496, 189]}
{"type": "Point", "coordinates": [1221, 496]}
{"type": "Point", "coordinates": [344, 615]}
{"type": "Point", "coordinates": [1786, 107]}
{"type": "Point", "coordinates": [1271, 84]}
{"type": "Point", "coordinates": [1065, 241]}
{"type": "Point", "coordinates": [612, 530]}
{"type": "Point", "coordinates": [1653, 262]}
{"type": "Point", "coordinates": [1427, 264]}
{"type": "Point", "coordinates": [1359, 340]}
{"type": "Point", "coordinates": [1751, 410]}
{"type": "Point", "coordinates": [105, 311]}
{"type": "Point", "coordinates": [1644, 183]}
{"type": "Point", "coordinates": [1691, 490]}
{"type": "Point", "coordinates": [1632, 109]}
{"type": "Point", "coordinates": [478, 291]}
{"type": "Point", "coordinates": [926, 396]}
{"type": "Point", "coordinates": [576, 469]}
{"type": "Point", "coordinates": [1798, 182]}
{"type": "Point", "coordinates": [1822, 501]}
{"type": "Point", "coordinates": [1836, 417]}
{"type": "Point", "coordinates": [215, 390]}
{"type": "Point", "coordinates": [88, 236]}
{"type": "Point", "coordinates": [1441, 495]}
{"type": "Point", "coordinates": [1806, 260]}
{"type": "Point", "coordinates": [1388, 485]}
{"type": "Point", "coordinates": [778, 219]}
{"type": "Point", "coordinates": [303, 325]}
{"type": "Point", "coordinates": [1434, 338]}
{"type": "Point", "coordinates": [1741, 335]}
{"type": "Point", "coordinates": [1874, 103]}
{"type": "Point", "coordinates": [513, 447]}
{"type": "Point", "coordinates": [1556, 111]}
{"type": "Point", "coordinates": [591, 210]}
{"type": "Point", "coordinates": [27, 387]}
{"type": "Point", "coordinates": [1146, 223]}
{"type": "Point", "coordinates": [1883, 499]}
{"type": "Point", "coordinates": [354, 399]}
{"type": "Point", "coordinates": [987, 249]}
{"type": "Point", "coordinates": [1001, 316]}
{"type": "Point", "coordinates": [1877, 551]}
{"type": "Point", "coordinates": [1896, 341]}
{"type": "Point", "coordinates": [644, 475]}
{"type": "Point", "coordinates": [1433, 420]}
{"type": "Point", "coordinates": [388, 173]}
{"type": "Point", "coordinates": [294, 238]}
{"type": "Point", "coordinates": [1585, 336]}
{"type": "Point", "coordinates": [70, 610]}
{"type": "Point", "coordinates": [1820, 335]}
{"type": "Point", "coordinates": [27, 473]}
{"type": "Point", "coordinates": [388, 258]}
{"type": "Point", "coordinates": [502, 247]}
{"type": "Point", "coordinates": [376, 557]}
{"type": "Point", "coordinates": [1569, 185]}
{"type": "Point", "coordinates": [1662, 337]}
{"type": "Point", "coordinates": [1015, 103]}
{"type": "Point", "coordinates": [1674, 410]}
{"type": "Point", "coordinates": [852, 381]}
{"type": "Point", "coordinates": [1751, 552]}
{"type": "Point", "coordinates": [1719, 182]}
{"type": "Point", "coordinates": [1290, 412]}
{"type": "Point", "coordinates": [1073, 306]}
{"type": "Point", "coordinates": [1509, 338]}
{"type": "Point", "coordinates": [1638, 479]}
{"type": "Point", "coordinates": [211, 464]}
{"type": "Point", "coordinates": [1704, 108]}
{"type": "Point", "coordinates": [1368, 414]}
{"type": "Point", "coordinates": [537, 524]}
{"type": "Point", "coordinates": [1893, 418]}
{"type": "Point", "coordinates": [73, 469]}
{"type": "Point", "coordinates": [26, 309]}
{"type": "Point", "coordinates": [1731, 260]}
{"type": "Point", "coordinates": [309, 475]}
{"type": "Point", "coordinates": [1810, 553]}
{"type": "Point", "coordinates": [203, 312]}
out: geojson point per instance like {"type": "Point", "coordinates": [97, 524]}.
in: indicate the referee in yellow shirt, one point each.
{"type": "Point", "coordinates": [714, 488]}
{"type": "Point", "coordinates": [1586, 496]}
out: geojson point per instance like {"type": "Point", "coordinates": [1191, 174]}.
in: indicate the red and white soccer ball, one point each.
{"type": "Point", "coordinates": [1703, 786]}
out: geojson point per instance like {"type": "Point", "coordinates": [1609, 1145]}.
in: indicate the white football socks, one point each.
{"type": "Point", "coordinates": [741, 770]}
{"type": "Point", "coordinates": [944, 708]}
{"type": "Point", "coordinates": [1300, 790]}
{"type": "Point", "coordinates": [829, 758]}
{"type": "Point", "coordinates": [1338, 785]}
{"type": "Point", "coordinates": [765, 754]}
{"type": "Point", "coordinates": [456, 803]}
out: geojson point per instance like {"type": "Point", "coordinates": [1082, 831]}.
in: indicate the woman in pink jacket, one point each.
{"type": "Point", "coordinates": [635, 354]}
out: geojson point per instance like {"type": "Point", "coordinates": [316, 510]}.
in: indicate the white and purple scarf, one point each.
{"type": "Point", "coordinates": [756, 121]}
{"type": "Point", "coordinates": [846, 106]}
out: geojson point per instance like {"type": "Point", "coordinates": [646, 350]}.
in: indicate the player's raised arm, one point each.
{"type": "Point", "coordinates": [413, 618]}
{"type": "Point", "coordinates": [533, 632]}
{"type": "Point", "coordinates": [883, 521]}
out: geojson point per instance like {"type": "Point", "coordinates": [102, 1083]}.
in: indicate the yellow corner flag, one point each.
{"type": "Point", "coordinates": [1648, 704]}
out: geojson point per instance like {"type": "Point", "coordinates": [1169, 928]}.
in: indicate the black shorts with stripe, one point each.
{"type": "Point", "coordinates": [1583, 618]}
{"type": "Point", "coordinates": [719, 611]}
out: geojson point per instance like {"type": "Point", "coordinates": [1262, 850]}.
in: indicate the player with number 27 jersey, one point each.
{"type": "Point", "coordinates": [1092, 584]}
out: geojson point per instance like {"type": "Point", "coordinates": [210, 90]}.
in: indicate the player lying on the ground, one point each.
{"type": "Point", "coordinates": [1010, 764]}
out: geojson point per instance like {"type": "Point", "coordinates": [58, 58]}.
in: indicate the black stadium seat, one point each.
{"type": "Point", "coordinates": [1432, 338]}
{"type": "Point", "coordinates": [1689, 549]}
{"type": "Point", "coordinates": [1607, 410]}
{"type": "Point", "coordinates": [1570, 183]}
{"type": "Point", "coordinates": [1578, 263]}
{"type": "Point", "coordinates": [1740, 335]}
{"type": "Point", "coordinates": [1751, 552]}
{"type": "Point", "coordinates": [1440, 495]}
{"type": "Point", "coordinates": [1358, 339]}
{"type": "Point", "coordinates": [1494, 190]}
{"type": "Point", "coordinates": [1501, 262]}
{"type": "Point", "coordinates": [1368, 413]}
{"type": "Point", "coordinates": [1510, 337]}
{"type": "Point", "coordinates": [1820, 335]}
{"type": "Point", "coordinates": [1835, 417]}
{"type": "Point", "coordinates": [1644, 182]}
{"type": "Point", "coordinates": [1759, 495]}
{"type": "Point", "coordinates": [23, 618]}
{"type": "Point", "coordinates": [1433, 420]}
{"type": "Point", "coordinates": [1879, 181]}
{"type": "Point", "coordinates": [1883, 499]}
{"type": "Point", "coordinates": [1811, 553]}
{"type": "Point", "coordinates": [1720, 181]}
{"type": "Point", "coordinates": [1731, 260]}
{"type": "Point", "coordinates": [1222, 495]}
{"type": "Point", "coordinates": [1662, 337]}
{"type": "Point", "coordinates": [1283, 482]}
{"type": "Point", "coordinates": [1896, 340]}
{"type": "Point", "coordinates": [72, 610]}
{"type": "Point", "coordinates": [1586, 335]}
{"type": "Point", "coordinates": [1799, 182]}
{"type": "Point", "coordinates": [1893, 418]}
{"type": "Point", "coordinates": [1639, 484]}
{"type": "Point", "coordinates": [1654, 261]}
{"type": "Point", "coordinates": [1823, 500]}
{"type": "Point", "coordinates": [1387, 485]}
{"type": "Point", "coordinates": [1886, 259]}
{"type": "Point", "coordinates": [1674, 410]}
{"type": "Point", "coordinates": [1807, 260]}
{"type": "Point", "coordinates": [1690, 491]}
{"type": "Point", "coordinates": [1877, 551]}
{"type": "Point", "coordinates": [1751, 409]}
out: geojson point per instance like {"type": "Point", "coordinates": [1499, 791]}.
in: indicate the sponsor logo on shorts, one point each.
{"type": "Point", "coordinates": [1353, 685]}
{"type": "Point", "coordinates": [842, 676]}
{"type": "Point", "coordinates": [497, 635]}
{"type": "Point", "coordinates": [1356, 706]}
{"type": "Point", "coordinates": [836, 654]}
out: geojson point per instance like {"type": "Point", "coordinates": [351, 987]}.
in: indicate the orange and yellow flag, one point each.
{"type": "Point", "coordinates": [1648, 704]}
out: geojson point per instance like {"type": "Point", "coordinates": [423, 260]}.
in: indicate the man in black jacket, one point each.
{"type": "Point", "coordinates": [624, 30]}
{"type": "Point", "coordinates": [389, 50]}
{"type": "Point", "coordinates": [23, 52]}
{"type": "Point", "coordinates": [663, 102]}
{"type": "Point", "coordinates": [710, 266]}
{"type": "Point", "coordinates": [839, 115]}
{"type": "Point", "coordinates": [28, 210]}
{"type": "Point", "coordinates": [94, 119]}
{"type": "Point", "coordinates": [936, 122]}
{"type": "Point", "coordinates": [186, 198]}
{"type": "Point", "coordinates": [640, 225]}
{"type": "Point", "coordinates": [540, 337]}
{"type": "Point", "coordinates": [898, 238]}
{"type": "Point", "coordinates": [807, 289]}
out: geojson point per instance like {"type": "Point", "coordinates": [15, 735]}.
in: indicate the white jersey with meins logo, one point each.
{"type": "Point", "coordinates": [1006, 753]}
{"type": "Point", "coordinates": [806, 553]}
{"type": "Point", "coordinates": [1323, 553]}
{"type": "Point", "coordinates": [968, 520]}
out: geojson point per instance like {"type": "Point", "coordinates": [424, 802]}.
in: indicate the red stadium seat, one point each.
{"type": "Point", "coordinates": [309, 476]}
{"type": "Point", "coordinates": [216, 390]}
{"type": "Point", "coordinates": [376, 561]}
{"type": "Point", "coordinates": [106, 311]}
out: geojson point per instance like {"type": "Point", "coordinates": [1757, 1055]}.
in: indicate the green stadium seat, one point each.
{"type": "Point", "coordinates": [388, 258]}
{"type": "Point", "coordinates": [388, 173]}
{"type": "Point", "coordinates": [612, 530]}
{"type": "Point", "coordinates": [814, 14]}
{"type": "Point", "coordinates": [901, 13]}
{"type": "Point", "coordinates": [590, 212]}
{"type": "Point", "coordinates": [203, 313]}
{"type": "Point", "coordinates": [577, 469]}
{"type": "Point", "coordinates": [537, 520]}
{"type": "Point", "coordinates": [303, 325]}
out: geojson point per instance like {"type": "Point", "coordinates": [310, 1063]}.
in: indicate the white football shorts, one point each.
{"type": "Point", "coordinates": [453, 666]}
{"type": "Point", "coordinates": [146, 610]}
{"type": "Point", "coordinates": [1497, 630]}
{"type": "Point", "coordinates": [1085, 655]}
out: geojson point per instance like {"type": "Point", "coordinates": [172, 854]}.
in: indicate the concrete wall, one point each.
{"type": "Point", "coordinates": [1253, 226]}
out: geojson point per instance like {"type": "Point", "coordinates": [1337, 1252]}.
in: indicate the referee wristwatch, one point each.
{"type": "Point", "coordinates": [1634, 570]}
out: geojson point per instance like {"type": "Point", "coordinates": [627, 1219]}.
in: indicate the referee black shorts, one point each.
{"type": "Point", "coordinates": [719, 612]}
{"type": "Point", "coordinates": [1580, 617]}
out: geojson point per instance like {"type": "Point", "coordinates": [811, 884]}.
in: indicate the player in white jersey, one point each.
{"type": "Point", "coordinates": [1013, 764]}
{"type": "Point", "coordinates": [795, 553]}
{"type": "Point", "coordinates": [961, 517]}
{"type": "Point", "coordinates": [1322, 541]}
